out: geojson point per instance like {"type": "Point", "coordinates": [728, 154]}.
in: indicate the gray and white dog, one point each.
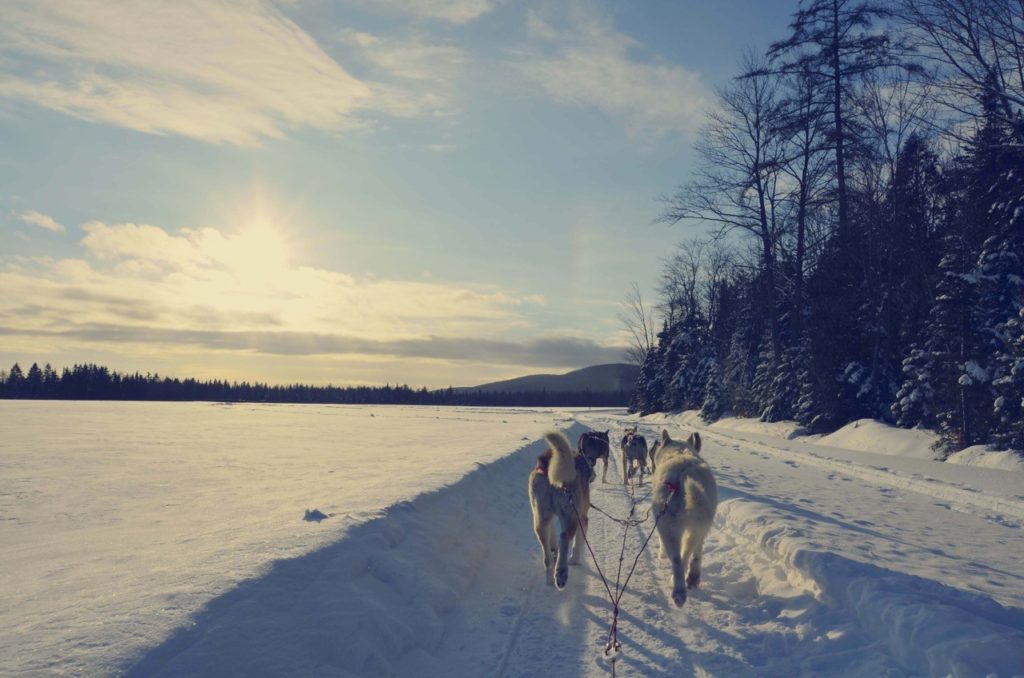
{"type": "Point", "coordinates": [634, 454]}
{"type": "Point", "coordinates": [559, 488]}
{"type": "Point", "coordinates": [685, 488]}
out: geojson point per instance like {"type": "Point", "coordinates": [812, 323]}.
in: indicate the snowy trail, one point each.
{"type": "Point", "coordinates": [748, 618]}
{"type": "Point", "coordinates": [821, 562]}
{"type": "Point", "coordinates": [805, 573]}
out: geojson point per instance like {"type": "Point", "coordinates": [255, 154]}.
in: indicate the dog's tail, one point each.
{"type": "Point", "coordinates": [562, 469]}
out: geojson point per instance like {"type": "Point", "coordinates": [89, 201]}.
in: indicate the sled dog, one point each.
{"type": "Point", "coordinates": [559, 478]}
{"type": "Point", "coordinates": [634, 454]}
{"type": "Point", "coordinates": [654, 452]}
{"type": "Point", "coordinates": [593, 445]}
{"type": "Point", "coordinates": [684, 486]}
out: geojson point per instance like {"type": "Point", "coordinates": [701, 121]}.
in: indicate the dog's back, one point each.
{"type": "Point", "coordinates": [593, 445]}
{"type": "Point", "coordinates": [684, 479]}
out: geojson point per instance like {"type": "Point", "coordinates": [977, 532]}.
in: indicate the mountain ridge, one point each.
{"type": "Point", "coordinates": [609, 377]}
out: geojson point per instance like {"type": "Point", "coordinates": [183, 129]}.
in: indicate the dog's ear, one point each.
{"type": "Point", "coordinates": [664, 436]}
{"type": "Point", "coordinates": [694, 441]}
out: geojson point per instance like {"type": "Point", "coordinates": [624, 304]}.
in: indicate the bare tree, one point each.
{"type": "Point", "coordinates": [680, 274]}
{"type": "Point", "coordinates": [836, 40]}
{"type": "Point", "coordinates": [737, 186]}
{"type": "Point", "coordinates": [804, 121]}
{"type": "Point", "coordinates": [639, 324]}
{"type": "Point", "coordinates": [977, 50]}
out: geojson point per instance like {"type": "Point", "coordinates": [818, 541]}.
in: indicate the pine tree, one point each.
{"type": "Point", "coordinates": [714, 407]}
{"type": "Point", "coordinates": [916, 398]}
{"type": "Point", "coordinates": [1002, 274]}
{"type": "Point", "coordinates": [949, 373]}
{"type": "Point", "coordinates": [785, 389]}
{"type": "Point", "coordinates": [15, 381]}
{"type": "Point", "coordinates": [647, 397]}
{"type": "Point", "coordinates": [764, 376]}
{"type": "Point", "coordinates": [687, 361]}
{"type": "Point", "coordinates": [738, 373]}
{"type": "Point", "coordinates": [34, 382]}
{"type": "Point", "coordinates": [808, 411]}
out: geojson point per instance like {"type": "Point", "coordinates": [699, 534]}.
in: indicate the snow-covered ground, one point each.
{"type": "Point", "coordinates": [168, 539]}
{"type": "Point", "coordinates": [119, 522]}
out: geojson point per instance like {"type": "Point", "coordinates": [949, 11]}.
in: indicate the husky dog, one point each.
{"type": "Point", "coordinates": [685, 488]}
{"type": "Point", "coordinates": [634, 454]}
{"type": "Point", "coordinates": [560, 481]}
{"type": "Point", "coordinates": [593, 445]}
{"type": "Point", "coordinates": [654, 453]}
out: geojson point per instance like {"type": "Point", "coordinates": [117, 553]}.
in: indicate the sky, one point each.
{"type": "Point", "coordinates": [431, 192]}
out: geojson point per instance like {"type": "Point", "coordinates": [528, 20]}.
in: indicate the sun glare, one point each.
{"type": "Point", "coordinates": [258, 249]}
{"type": "Point", "coordinates": [259, 243]}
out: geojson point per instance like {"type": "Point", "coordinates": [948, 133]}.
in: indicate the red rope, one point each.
{"type": "Point", "coordinates": [613, 643]}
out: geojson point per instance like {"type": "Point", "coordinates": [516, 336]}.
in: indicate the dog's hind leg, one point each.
{"type": "Point", "coordinates": [577, 542]}
{"type": "Point", "coordinates": [670, 542]}
{"type": "Point", "coordinates": [543, 528]}
{"type": "Point", "coordinates": [693, 549]}
{"type": "Point", "coordinates": [569, 527]}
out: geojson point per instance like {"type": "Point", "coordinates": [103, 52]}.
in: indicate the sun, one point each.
{"type": "Point", "coordinates": [258, 249]}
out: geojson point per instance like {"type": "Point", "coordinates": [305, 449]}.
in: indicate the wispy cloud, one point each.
{"type": "Point", "coordinates": [584, 61]}
{"type": "Point", "coordinates": [412, 75]}
{"type": "Point", "coordinates": [41, 220]}
{"type": "Point", "coordinates": [214, 70]}
{"type": "Point", "coordinates": [452, 11]}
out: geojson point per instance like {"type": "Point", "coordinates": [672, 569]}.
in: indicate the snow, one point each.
{"type": "Point", "coordinates": [121, 521]}
{"type": "Point", "coordinates": [980, 455]}
{"type": "Point", "coordinates": [870, 435]}
{"type": "Point", "coordinates": [168, 539]}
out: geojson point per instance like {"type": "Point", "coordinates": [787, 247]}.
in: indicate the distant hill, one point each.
{"type": "Point", "coordinates": [596, 379]}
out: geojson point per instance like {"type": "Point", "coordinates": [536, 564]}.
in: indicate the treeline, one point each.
{"type": "Point", "coordinates": [872, 164]}
{"type": "Point", "coordinates": [95, 382]}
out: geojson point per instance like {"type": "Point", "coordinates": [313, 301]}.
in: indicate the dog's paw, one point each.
{"type": "Point", "coordinates": [693, 580]}
{"type": "Point", "coordinates": [562, 576]}
{"type": "Point", "coordinates": [679, 597]}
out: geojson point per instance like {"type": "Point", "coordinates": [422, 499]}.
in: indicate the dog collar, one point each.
{"type": "Point", "coordinates": [671, 487]}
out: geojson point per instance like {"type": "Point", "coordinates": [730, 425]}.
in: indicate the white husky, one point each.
{"type": "Point", "coordinates": [684, 486]}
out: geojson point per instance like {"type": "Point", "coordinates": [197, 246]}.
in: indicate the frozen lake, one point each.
{"type": "Point", "coordinates": [119, 520]}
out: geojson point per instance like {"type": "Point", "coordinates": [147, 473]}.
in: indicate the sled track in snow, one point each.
{"type": "Point", "coordinates": [933, 488]}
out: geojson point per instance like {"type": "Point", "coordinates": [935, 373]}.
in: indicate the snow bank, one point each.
{"type": "Point", "coordinates": [937, 629]}
{"type": "Point", "coordinates": [869, 435]}
{"type": "Point", "coordinates": [375, 603]}
{"type": "Point", "coordinates": [979, 455]}
{"type": "Point", "coordinates": [863, 435]}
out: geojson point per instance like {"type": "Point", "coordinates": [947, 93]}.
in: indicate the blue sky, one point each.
{"type": "Point", "coordinates": [365, 191]}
